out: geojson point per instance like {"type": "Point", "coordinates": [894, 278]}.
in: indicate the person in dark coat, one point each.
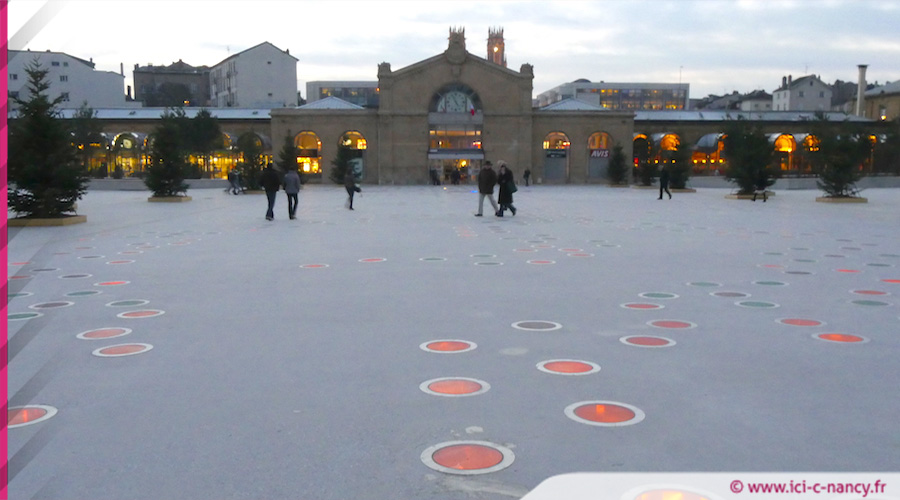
{"type": "Point", "coordinates": [506, 180]}
{"type": "Point", "coordinates": [350, 185]}
{"type": "Point", "coordinates": [487, 179]}
{"type": "Point", "coordinates": [664, 183]}
{"type": "Point", "coordinates": [291, 189]}
{"type": "Point", "coordinates": [270, 182]}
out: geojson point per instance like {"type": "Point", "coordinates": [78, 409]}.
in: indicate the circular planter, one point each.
{"type": "Point", "coordinates": [168, 199]}
{"type": "Point", "coordinates": [746, 196]}
{"type": "Point", "coordinates": [65, 220]}
{"type": "Point", "coordinates": [841, 199]}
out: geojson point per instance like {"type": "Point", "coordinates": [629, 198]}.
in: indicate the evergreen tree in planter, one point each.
{"type": "Point", "coordinates": [617, 171]}
{"type": "Point", "coordinates": [45, 176]}
{"type": "Point", "coordinates": [679, 167]}
{"type": "Point", "coordinates": [251, 166]}
{"type": "Point", "coordinates": [838, 160]}
{"type": "Point", "coordinates": [340, 164]}
{"type": "Point", "coordinates": [749, 156]}
{"type": "Point", "coordinates": [165, 175]}
{"type": "Point", "coordinates": [838, 163]}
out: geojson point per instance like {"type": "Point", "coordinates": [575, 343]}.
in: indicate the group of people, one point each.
{"type": "Point", "coordinates": [271, 182]}
{"type": "Point", "coordinates": [487, 179]}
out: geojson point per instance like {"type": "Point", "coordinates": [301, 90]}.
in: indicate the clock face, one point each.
{"type": "Point", "coordinates": [455, 102]}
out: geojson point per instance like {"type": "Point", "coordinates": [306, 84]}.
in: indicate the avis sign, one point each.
{"type": "Point", "coordinates": [599, 153]}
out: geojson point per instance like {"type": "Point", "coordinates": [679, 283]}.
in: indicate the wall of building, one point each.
{"type": "Point", "coordinates": [266, 77]}
{"type": "Point", "coordinates": [578, 127]}
{"type": "Point", "coordinates": [101, 89]}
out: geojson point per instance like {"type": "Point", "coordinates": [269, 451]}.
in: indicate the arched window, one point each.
{"type": "Point", "coordinates": [556, 140]}
{"type": "Point", "coordinates": [599, 140]}
{"type": "Point", "coordinates": [309, 146]}
{"type": "Point", "coordinates": [353, 140]}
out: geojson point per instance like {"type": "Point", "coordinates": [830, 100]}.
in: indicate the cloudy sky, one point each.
{"type": "Point", "coordinates": [717, 46]}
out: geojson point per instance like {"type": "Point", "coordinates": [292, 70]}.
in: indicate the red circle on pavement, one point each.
{"type": "Point", "coordinates": [800, 322]}
{"type": "Point", "coordinates": [455, 386]}
{"type": "Point", "coordinates": [373, 259]}
{"type": "Point", "coordinates": [642, 306]}
{"type": "Point", "coordinates": [448, 346]}
{"type": "Point", "coordinates": [146, 313]}
{"type": "Point", "coordinates": [840, 337]}
{"type": "Point", "coordinates": [111, 283]}
{"type": "Point", "coordinates": [122, 350]}
{"type": "Point", "coordinates": [467, 457]}
{"type": "Point", "coordinates": [847, 270]}
{"type": "Point", "coordinates": [20, 416]}
{"type": "Point", "coordinates": [541, 262]}
{"type": "Point", "coordinates": [869, 292]}
{"type": "Point", "coordinates": [103, 333]}
{"type": "Point", "coordinates": [604, 413]}
{"type": "Point", "coordinates": [568, 366]}
{"type": "Point", "coordinates": [672, 324]}
{"type": "Point", "coordinates": [891, 281]}
{"type": "Point", "coordinates": [647, 341]}
{"type": "Point", "coordinates": [313, 266]}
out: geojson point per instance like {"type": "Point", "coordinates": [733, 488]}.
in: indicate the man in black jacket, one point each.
{"type": "Point", "coordinates": [270, 182]}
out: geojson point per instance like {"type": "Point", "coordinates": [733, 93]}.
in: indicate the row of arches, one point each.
{"type": "Point", "coordinates": [707, 158]}
{"type": "Point", "coordinates": [127, 154]}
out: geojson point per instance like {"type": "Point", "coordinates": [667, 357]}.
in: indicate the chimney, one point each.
{"type": "Point", "coordinates": [861, 89]}
{"type": "Point", "coordinates": [122, 69]}
{"type": "Point", "coordinates": [784, 82]}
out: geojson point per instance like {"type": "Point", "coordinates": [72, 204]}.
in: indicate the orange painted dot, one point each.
{"type": "Point", "coordinates": [648, 341]}
{"type": "Point", "coordinates": [314, 266]}
{"type": "Point", "coordinates": [891, 281]}
{"type": "Point", "coordinates": [635, 305]}
{"type": "Point", "coordinates": [111, 283]}
{"type": "Point", "coordinates": [800, 322]}
{"type": "Point", "coordinates": [604, 413]}
{"type": "Point", "coordinates": [373, 259]}
{"type": "Point", "coordinates": [104, 333]}
{"type": "Point", "coordinates": [568, 367]}
{"type": "Point", "coordinates": [541, 262]}
{"type": "Point", "coordinates": [121, 350]}
{"type": "Point", "coordinates": [455, 386]}
{"type": "Point", "coordinates": [147, 313]}
{"type": "Point", "coordinates": [448, 346]}
{"type": "Point", "coordinates": [667, 323]}
{"type": "Point", "coordinates": [869, 292]}
{"type": "Point", "coordinates": [840, 337]}
{"type": "Point", "coordinates": [847, 271]}
{"type": "Point", "coordinates": [21, 416]}
{"type": "Point", "coordinates": [467, 457]}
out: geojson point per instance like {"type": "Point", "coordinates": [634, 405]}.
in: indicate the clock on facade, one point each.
{"type": "Point", "coordinates": [454, 102]}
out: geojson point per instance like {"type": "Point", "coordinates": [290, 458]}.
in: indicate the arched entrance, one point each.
{"type": "Point", "coordinates": [308, 152]}
{"type": "Point", "coordinates": [556, 157]}
{"type": "Point", "coordinates": [598, 155]}
{"type": "Point", "coordinates": [784, 145]}
{"type": "Point", "coordinates": [357, 144]}
{"type": "Point", "coordinates": [455, 124]}
{"type": "Point", "coordinates": [128, 155]}
{"type": "Point", "coordinates": [707, 154]}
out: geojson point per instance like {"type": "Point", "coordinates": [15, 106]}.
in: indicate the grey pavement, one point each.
{"type": "Point", "coordinates": [286, 362]}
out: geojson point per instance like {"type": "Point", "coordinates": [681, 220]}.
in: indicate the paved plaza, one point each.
{"type": "Point", "coordinates": [408, 350]}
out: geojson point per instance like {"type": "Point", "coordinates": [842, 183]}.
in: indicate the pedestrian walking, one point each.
{"type": "Point", "coordinates": [351, 187]}
{"type": "Point", "coordinates": [291, 185]}
{"type": "Point", "coordinates": [506, 181]}
{"type": "Point", "coordinates": [487, 179]}
{"type": "Point", "coordinates": [664, 183]}
{"type": "Point", "coordinates": [270, 182]}
{"type": "Point", "coordinates": [526, 175]}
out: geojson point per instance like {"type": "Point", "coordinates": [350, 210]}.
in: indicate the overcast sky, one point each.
{"type": "Point", "coordinates": [717, 46]}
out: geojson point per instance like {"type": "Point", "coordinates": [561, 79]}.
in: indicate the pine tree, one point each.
{"type": "Point", "coordinates": [165, 175]}
{"type": "Point", "coordinates": [250, 166]}
{"type": "Point", "coordinates": [749, 156]}
{"type": "Point", "coordinates": [204, 136]}
{"type": "Point", "coordinates": [45, 177]}
{"type": "Point", "coordinates": [839, 158]}
{"type": "Point", "coordinates": [87, 130]}
{"type": "Point", "coordinates": [287, 157]}
{"type": "Point", "coordinates": [617, 171]}
{"type": "Point", "coordinates": [679, 166]}
{"type": "Point", "coordinates": [340, 164]}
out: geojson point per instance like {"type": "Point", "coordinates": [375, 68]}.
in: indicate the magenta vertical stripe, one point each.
{"type": "Point", "coordinates": [4, 151]}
